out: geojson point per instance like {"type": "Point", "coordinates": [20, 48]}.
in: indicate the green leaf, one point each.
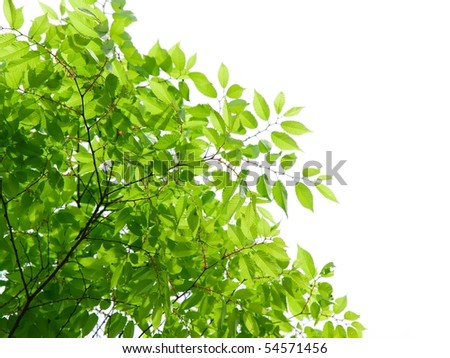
{"type": "Point", "coordinates": [352, 333]}
{"type": "Point", "coordinates": [248, 120]}
{"type": "Point", "coordinates": [284, 141]}
{"type": "Point", "coordinates": [161, 92]}
{"type": "Point", "coordinates": [128, 332]}
{"type": "Point", "coordinates": [90, 324]}
{"type": "Point", "coordinates": [6, 39]}
{"type": "Point", "coordinates": [118, 5]}
{"type": "Point", "coordinates": [292, 112]}
{"type": "Point", "coordinates": [288, 161]}
{"type": "Point", "coordinates": [157, 316]}
{"type": "Point", "coordinates": [168, 141]}
{"type": "Point", "coordinates": [340, 332]}
{"type": "Point", "coordinates": [279, 102]}
{"type": "Point", "coordinates": [14, 51]}
{"type": "Point", "coordinates": [264, 146]}
{"type": "Point", "coordinates": [262, 186]}
{"type": "Point", "coordinates": [203, 85]}
{"type": "Point", "coordinates": [178, 57]}
{"type": "Point", "coordinates": [115, 324]}
{"type": "Point", "coordinates": [310, 171]}
{"type": "Point", "coordinates": [223, 75]}
{"type": "Point", "coordinates": [280, 195]}
{"type": "Point", "coordinates": [49, 11]}
{"type": "Point", "coordinates": [251, 151]}
{"type": "Point", "coordinates": [304, 196]}
{"type": "Point", "coordinates": [351, 316]}
{"type": "Point", "coordinates": [328, 330]}
{"type": "Point", "coordinates": [327, 270]}
{"type": "Point", "coordinates": [359, 327]}
{"type": "Point", "coordinates": [305, 262]}
{"type": "Point", "coordinates": [266, 265]}
{"type": "Point", "coordinates": [326, 192]}
{"type": "Point", "coordinates": [39, 26]}
{"type": "Point", "coordinates": [218, 122]}
{"type": "Point", "coordinates": [340, 304]}
{"type": "Point", "coordinates": [83, 24]}
{"type": "Point", "coordinates": [251, 324]}
{"type": "Point", "coordinates": [235, 91]}
{"type": "Point", "coordinates": [260, 106]}
{"type": "Point", "coordinates": [111, 83]}
{"type": "Point", "coordinates": [13, 15]}
{"type": "Point", "coordinates": [295, 128]}
{"type": "Point", "coordinates": [191, 62]}
{"type": "Point", "coordinates": [315, 310]}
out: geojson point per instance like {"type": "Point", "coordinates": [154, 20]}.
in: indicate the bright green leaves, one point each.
{"type": "Point", "coordinates": [248, 120]}
{"type": "Point", "coordinates": [251, 324]}
{"type": "Point", "coordinates": [83, 23]}
{"type": "Point", "coordinates": [304, 196]}
{"type": "Point", "coordinates": [292, 112]}
{"type": "Point", "coordinates": [49, 11]}
{"type": "Point", "coordinates": [294, 128]}
{"type": "Point", "coordinates": [223, 75]}
{"type": "Point", "coordinates": [13, 15]}
{"type": "Point", "coordinates": [6, 39]}
{"type": "Point", "coordinates": [351, 316]}
{"type": "Point", "coordinates": [202, 83]}
{"type": "Point", "coordinates": [280, 195]}
{"type": "Point", "coordinates": [305, 262]}
{"type": "Point", "coordinates": [340, 305]}
{"type": "Point", "coordinates": [263, 187]}
{"type": "Point", "coordinates": [284, 141]}
{"type": "Point", "coordinates": [160, 90]}
{"type": "Point", "coordinates": [218, 122]}
{"type": "Point", "coordinates": [166, 142]}
{"type": "Point", "coordinates": [279, 102]}
{"type": "Point", "coordinates": [39, 26]}
{"type": "Point", "coordinates": [260, 106]}
{"type": "Point", "coordinates": [235, 91]}
{"type": "Point", "coordinates": [178, 57]}
{"type": "Point", "coordinates": [326, 192]}
{"type": "Point", "coordinates": [106, 157]}
{"type": "Point", "coordinates": [288, 161]}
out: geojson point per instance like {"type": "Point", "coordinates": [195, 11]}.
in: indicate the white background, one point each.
{"type": "Point", "coordinates": [374, 78]}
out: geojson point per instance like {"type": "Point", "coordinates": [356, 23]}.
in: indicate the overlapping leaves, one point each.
{"type": "Point", "coordinates": [130, 211]}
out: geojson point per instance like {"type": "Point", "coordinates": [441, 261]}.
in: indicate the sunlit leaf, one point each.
{"type": "Point", "coordinates": [223, 75]}
{"type": "Point", "coordinates": [280, 195]}
{"type": "Point", "coordinates": [326, 192]}
{"type": "Point", "coordinates": [295, 128]}
{"type": "Point", "coordinates": [260, 106]}
{"type": "Point", "coordinates": [284, 141]}
{"type": "Point", "coordinates": [304, 196]}
{"type": "Point", "coordinates": [305, 262]}
{"type": "Point", "coordinates": [279, 102]}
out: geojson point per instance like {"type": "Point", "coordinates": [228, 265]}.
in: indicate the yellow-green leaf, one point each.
{"type": "Point", "coordinates": [284, 141]}
{"type": "Point", "coordinates": [305, 262]}
{"type": "Point", "coordinates": [203, 85]}
{"type": "Point", "coordinates": [279, 102]}
{"type": "Point", "coordinates": [260, 106]}
{"type": "Point", "coordinates": [223, 75]}
{"type": "Point", "coordinates": [280, 195]}
{"type": "Point", "coordinates": [295, 128]}
{"type": "Point", "coordinates": [235, 91]}
{"type": "Point", "coordinates": [304, 196]}
{"type": "Point", "coordinates": [293, 111]}
{"type": "Point", "coordinates": [326, 192]}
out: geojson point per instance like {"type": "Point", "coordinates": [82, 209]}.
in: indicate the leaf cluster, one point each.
{"type": "Point", "coordinates": [108, 229]}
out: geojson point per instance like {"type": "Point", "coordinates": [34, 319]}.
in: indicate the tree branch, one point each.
{"type": "Point", "coordinates": [11, 239]}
